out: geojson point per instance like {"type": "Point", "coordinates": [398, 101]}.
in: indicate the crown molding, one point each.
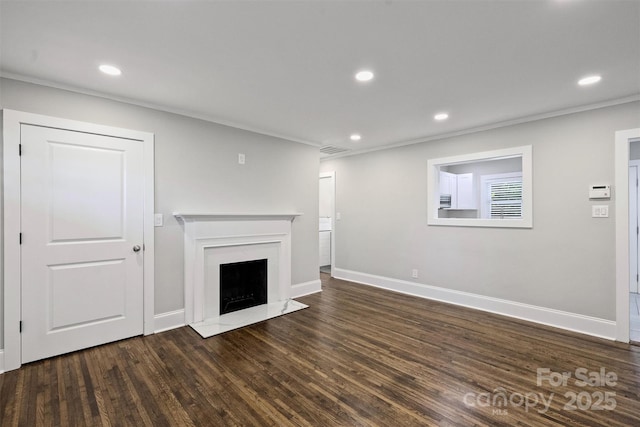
{"type": "Point", "coordinates": [241, 126]}
{"type": "Point", "coordinates": [497, 125]}
{"type": "Point", "coordinates": [158, 107]}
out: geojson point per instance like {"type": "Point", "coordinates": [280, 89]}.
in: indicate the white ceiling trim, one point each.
{"type": "Point", "coordinates": [164, 108]}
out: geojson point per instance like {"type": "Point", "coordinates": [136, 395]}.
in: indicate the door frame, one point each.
{"type": "Point", "coordinates": [332, 175]}
{"type": "Point", "coordinates": [11, 254]}
{"type": "Point", "coordinates": [633, 213]}
{"type": "Point", "coordinates": [623, 139]}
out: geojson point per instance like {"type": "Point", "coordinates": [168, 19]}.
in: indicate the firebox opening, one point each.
{"type": "Point", "coordinates": [243, 285]}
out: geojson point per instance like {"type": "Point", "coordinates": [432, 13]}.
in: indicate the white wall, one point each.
{"type": "Point", "coordinates": [565, 262]}
{"type": "Point", "coordinates": [196, 170]}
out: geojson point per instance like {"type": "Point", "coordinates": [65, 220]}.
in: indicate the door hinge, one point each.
{"type": "Point", "coordinates": [19, 149]}
{"type": "Point", "coordinates": [20, 326]}
{"type": "Point", "coordinates": [20, 238]}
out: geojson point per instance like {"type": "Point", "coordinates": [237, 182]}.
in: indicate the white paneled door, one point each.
{"type": "Point", "coordinates": [82, 240]}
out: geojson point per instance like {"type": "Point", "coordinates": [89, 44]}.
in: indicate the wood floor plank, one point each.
{"type": "Point", "coordinates": [358, 356]}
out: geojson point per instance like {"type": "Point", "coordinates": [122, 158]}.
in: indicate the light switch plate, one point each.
{"type": "Point", "coordinates": [241, 158]}
{"type": "Point", "coordinates": [158, 220]}
{"type": "Point", "coordinates": [600, 211]}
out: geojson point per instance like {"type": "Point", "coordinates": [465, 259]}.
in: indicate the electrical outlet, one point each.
{"type": "Point", "coordinates": [414, 273]}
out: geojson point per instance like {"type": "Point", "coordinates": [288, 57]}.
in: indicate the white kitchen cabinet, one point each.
{"type": "Point", "coordinates": [447, 182]}
{"type": "Point", "coordinates": [460, 187]}
{"type": "Point", "coordinates": [325, 248]}
{"type": "Point", "coordinates": [465, 199]}
{"type": "Point", "coordinates": [448, 185]}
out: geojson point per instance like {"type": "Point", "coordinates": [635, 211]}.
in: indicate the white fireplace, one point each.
{"type": "Point", "coordinates": [213, 239]}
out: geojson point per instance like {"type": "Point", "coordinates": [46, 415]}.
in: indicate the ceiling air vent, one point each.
{"type": "Point", "coordinates": [329, 150]}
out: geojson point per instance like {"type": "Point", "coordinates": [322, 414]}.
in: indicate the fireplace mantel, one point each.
{"type": "Point", "coordinates": [214, 238]}
{"type": "Point", "coordinates": [236, 216]}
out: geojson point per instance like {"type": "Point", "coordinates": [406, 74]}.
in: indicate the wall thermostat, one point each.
{"type": "Point", "coordinates": [602, 191]}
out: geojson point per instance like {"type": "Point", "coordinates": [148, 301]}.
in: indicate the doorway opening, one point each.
{"type": "Point", "coordinates": [326, 222]}
{"type": "Point", "coordinates": [625, 141]}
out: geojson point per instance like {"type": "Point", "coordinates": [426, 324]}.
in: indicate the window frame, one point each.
{"type": "Point", "coordinates": [433, 188]}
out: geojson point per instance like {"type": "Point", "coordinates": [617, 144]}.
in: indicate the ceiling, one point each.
{"type": "Point", "coordinates": [287, 68]}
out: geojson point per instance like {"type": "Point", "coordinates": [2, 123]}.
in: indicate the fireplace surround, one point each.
{"type": "Point", "coordinates": [214, 239]}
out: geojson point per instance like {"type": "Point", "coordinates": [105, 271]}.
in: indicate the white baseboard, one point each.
{"type": "Point", "coordinates": [2, 361]}
{"type": "Point", "coordinates": [169, 320]}
{"type": "Point", "coordinates": [306, 288]}
{"type": "Point", "coordinates": [601, 328]}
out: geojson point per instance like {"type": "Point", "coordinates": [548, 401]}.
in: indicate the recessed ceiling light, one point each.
{"type": "Point", "coordinates": [110, 70]}
{"type": "Point", "coordinates": [364, 76]}
{"type": "Point", "coordinates": [355, 137]}
{"type": "Point", "coordinates": [589, 80]}
{"type": "Point", "coordinates": [441, 116]}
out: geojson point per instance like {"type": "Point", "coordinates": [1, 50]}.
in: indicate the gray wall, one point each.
{"type": "Point", "coordinates": [196, 170]}
{"type": "Point", "coordinates": [565, 262]}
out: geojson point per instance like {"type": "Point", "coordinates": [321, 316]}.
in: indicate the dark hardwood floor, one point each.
{"type": "Point", "coordinates": [357, 356]}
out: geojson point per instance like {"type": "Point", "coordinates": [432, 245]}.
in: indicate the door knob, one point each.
{"type": "Point", "coordinates": [136, 248]}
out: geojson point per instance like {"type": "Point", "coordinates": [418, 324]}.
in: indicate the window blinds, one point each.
{"type": "Point", "coordinates": [506, 199]}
